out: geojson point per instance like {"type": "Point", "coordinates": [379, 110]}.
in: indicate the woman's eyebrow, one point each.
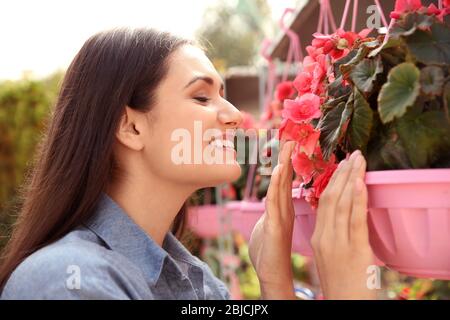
{"type": "Point", "coordinates": [207, 79]}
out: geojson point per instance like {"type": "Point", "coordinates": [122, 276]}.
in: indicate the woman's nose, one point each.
{"type": "Point", "coordinates": [229, 115]}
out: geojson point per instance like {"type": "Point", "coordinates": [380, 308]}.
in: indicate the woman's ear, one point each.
{"type": "Point", "coordinates": [128, 132]}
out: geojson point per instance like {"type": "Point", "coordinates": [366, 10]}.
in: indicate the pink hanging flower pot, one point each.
{"type": "Point", "coordinates": [207, 221]}
{"type": "Point", "coordinates": [305, 221]}
{"type": "Point", "coordinates": [245, 216]}
{"type": "Point", "coordinates": [409, 220]}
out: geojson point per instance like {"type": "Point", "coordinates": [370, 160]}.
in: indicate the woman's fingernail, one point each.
{"type": "Point", "coordinates": [357, 161]}
{"type": "Point", "coordinates": [341, 164]}
{"type": "Point", "coordinates": [355, 154]}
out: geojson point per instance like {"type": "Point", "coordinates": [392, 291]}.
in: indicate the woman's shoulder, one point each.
{"type": "Point", "coordinates": [77, 266]}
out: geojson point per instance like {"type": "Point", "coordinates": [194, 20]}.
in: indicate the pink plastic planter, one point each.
{"type": "Point", "coordinates": [409, 221]}
{"type": "Point", "coordinates": [204, 220]}
{"type": "Point", "coordinates": [245, 216]}
{"type": "Point", "coordinates": [247, 213]}
{"type": "Point", "coordinates": [305, 220]}
{"type": "Point", "coordinates": [242, 215]}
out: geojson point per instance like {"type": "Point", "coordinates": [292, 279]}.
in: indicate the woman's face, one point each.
{"type": "Point", "coordinates": [187, 138]}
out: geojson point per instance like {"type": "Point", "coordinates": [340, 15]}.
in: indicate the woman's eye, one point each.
{"type": "Point", "coordinates": [202, 99]}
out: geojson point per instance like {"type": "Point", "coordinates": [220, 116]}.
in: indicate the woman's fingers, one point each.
{"type": "Point", "coordinates": [345, 202]}
{"type": "Point", "coordinates": [326, 211]}
{"type": "Point", "coordinates": [359, 233]}
{"type": "Point", "coordinates": [272, 198]}
{"type": "Point", "coordinates": [338, 181]}
{"type": "Point", "coordinates": [285, 152]}
{"type": "Point", "coordinates": [280, 187]}
{"type": "Point", "coordinates": [322, 209]}
{"type": "Point", "coordinates": [330, 196]}
{"type": "Point", "coordinates": [285, 186]}
{"type": "Point", "coordinates": [342, 252]}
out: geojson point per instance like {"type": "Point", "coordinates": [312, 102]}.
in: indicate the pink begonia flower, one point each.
{"type": "Point", "coordinates": [285, 90]}
{"type": "Point", "coordinates": [402, 6]}
{"type": "Point", "coordinates": [308, 167]}
{"type": "Point", "coordinates": [319, 72]}
{"type": "Point", "coordinates": [320, 163]}
{"type": "Point", "coordinates": [338, 44]}
{"type": "Point", "coordinates": [276, 107]}
{"type": "Point", "coordinates": [313, 52]}
{"type": "Point", "coordinates": [310, 79]}
{"type": "Point", "coordinates": [303, 165]}
{"type": "Point", "coordinates": [432, 9]}
{"type": "Point", "coordinates": [440, 14]}
{"type": "Point", "coordinates": [310, 197]}
{"type": "Point", "coordinates": [303, 83]}
{"type": "Point", "coordinates": [321, 181]}
{"type": "Point", "coordinates": [304, 133]}
{"type": "Point", "coordinates": [304, 108]}
{"type": "Point", "coordinates": [316, 168]}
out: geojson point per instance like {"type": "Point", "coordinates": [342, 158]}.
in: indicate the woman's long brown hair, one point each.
{"type": "Point", "coordinates": [75, 160]}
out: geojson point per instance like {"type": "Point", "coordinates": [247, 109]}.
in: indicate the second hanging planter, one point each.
{"type": "Point", "coordinates": [409, 221]}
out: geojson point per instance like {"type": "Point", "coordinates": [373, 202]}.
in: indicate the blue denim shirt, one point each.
{"type": "Point", "coordinates": [111, 257]}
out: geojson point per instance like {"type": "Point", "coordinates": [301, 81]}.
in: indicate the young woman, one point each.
{"type": "Point", "coordinates": [105, 193]}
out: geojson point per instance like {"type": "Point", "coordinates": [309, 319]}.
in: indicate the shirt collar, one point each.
{"type": "Point", "coordinates": [122, 234]}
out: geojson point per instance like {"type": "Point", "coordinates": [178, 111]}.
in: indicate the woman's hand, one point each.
{"type": "Point", "coordinates": [340, 241]}
{"type": "Point", "coordinates": [271, 240]}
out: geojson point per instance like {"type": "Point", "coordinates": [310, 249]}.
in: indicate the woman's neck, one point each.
{"type": "Point", "coordinates": [151, 202]}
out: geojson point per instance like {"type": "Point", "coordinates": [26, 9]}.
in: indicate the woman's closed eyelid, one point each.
{"type": "Point", "coordinates": [202, 99]}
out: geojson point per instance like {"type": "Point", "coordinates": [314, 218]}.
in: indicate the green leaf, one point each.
{"type": "Point", "coordinates": [346, 68]}
{"type": "Point", "coordinates": [393, 56]}
{"type": "Point", "coordinates": [410, 23]}
{"type": "Point", "coordinates": [392, 42]}
{"type": "Point", "coordinates": [360, 124]}
{"type": "Point", "coordinates": [431, 47]}
{"type": "Point", "coordinates": [446, 99]}
{"type": "Point", "coordinates": [426, 137]}
{"type": "Point", "coordinates": [431, 80]}
{"type": "Point", "coordinates": [371, 44]}
{"type": "Point", "coordinates": [336, 89]}
{"type": "Point", "coordinates": [332, 103]}
{"type": "Point", "coordinates": [333, 126]}
{"type": "Point", "coordinates": [399, 92]}
{"type": "Point", "coordinates": [329, 129]}
{"type": "Point", "coordinates": [365, 73]}
{"type": "Point", "coordinates": [386, 151]}
{"type": "Point", "coordinates": [341, 61]}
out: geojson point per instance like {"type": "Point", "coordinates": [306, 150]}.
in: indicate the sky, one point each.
{"type": "Point", "coordinates": [43, 36]}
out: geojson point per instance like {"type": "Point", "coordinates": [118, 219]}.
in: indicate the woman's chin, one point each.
{"type": "Point", "coordinates": [222, 173]}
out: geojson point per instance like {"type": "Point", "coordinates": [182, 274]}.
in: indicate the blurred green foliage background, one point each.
{"type": "Point", "coordinates": [24, 106]}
